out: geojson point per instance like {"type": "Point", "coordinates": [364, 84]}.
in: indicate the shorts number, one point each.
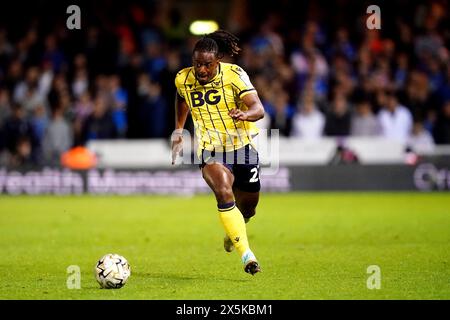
{"type": "Point", "coordinates": [255, 177]}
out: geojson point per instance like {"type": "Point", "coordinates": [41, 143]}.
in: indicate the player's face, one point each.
{"type": "Point", "coordinates": [205, 66]}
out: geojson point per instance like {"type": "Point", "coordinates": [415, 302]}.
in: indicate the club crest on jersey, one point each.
{"type": "Point", "coordinates": [210, 97]}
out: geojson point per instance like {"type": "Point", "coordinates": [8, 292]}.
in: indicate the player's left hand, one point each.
{"type": "Point", "coordinates": [238, 114]}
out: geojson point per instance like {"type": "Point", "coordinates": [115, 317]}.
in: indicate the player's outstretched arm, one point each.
{"type": "Point", "coordinates": [255, 109]}
{"type": "Point", "coordinates": [181, 113]}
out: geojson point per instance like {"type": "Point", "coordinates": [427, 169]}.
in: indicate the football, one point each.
{"type": "Point", "coordinates": [112, 271]}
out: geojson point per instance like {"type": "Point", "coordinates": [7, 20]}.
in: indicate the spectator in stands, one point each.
{"type": "Point", "coordinates": [80, 78]}
{"type": "Point", "coordinates": [154, 61]}
{"type": "Point", "coordinates": [27, 92]}
{"type": "Point", "coordinates": [420, 141]}
{"type": "Point", "coordinates": [23, 153]}
{"type": "Point", "coordinates": [6, 48]}
{"type": "Point", "coordinates": [80, 83]}
{"type": "Point", "coordinates": [152, 108]}
{"type": "Point", "coordinates": [267, 40]}
{"type": "Point", "coordinates": [5, 105]}
{"type": "Point", "coordinates": [54, 54]}
{"type": "Point", "coordinates": [82, 109]}
{"type": "Point", "coordinates": [395, 119]}
{"type": "Point", "coordinates": [441, 130]}
{"type": "Point", "coordinates": [341, 75]}
{"type": "Point", "coordinates": [342, 45]}
{"type": "Point", "coordinates": [417, 97]}
{"type": "Point", "coordinates": [28, 48]}
{"type": "Point", "coordinates": [39, 121]}
{"type": "Point", "coordinates": [13, 75]}
{"type": "Point", "coordinates": [443, 93]}
{"type": "Point", "coordinates": [58, 137]}
{"type": "Point", "coordinates": [310, 65]}
{"type": "Point", "coordinates": [119, 105]}
{"type": "Point", "coordinates": [363, 122]}
{"type": "Point", "coordinates": [168, 88]}
{"type": "Point", "coordinates": [175, 29]}
{"type": "Point", "coordinates": [20, 138]}
{"type": "Point", "coordinates": [59, 87]}
{"type": "Point", "coordinates": [435, 75]}
{"type": "Point", "coordinates": [337, 122]}
{"type": "Point", "coordinates": [401, 70]}
{"type": "Point", "coordinates": [309, 122]}
{"type": "Point", "coordinates": [5, 113]}
{"type": "Point", "coordinates": [99, 124]}
{"type": "Point", "coordinates": [280, 113]}
{"type": "Point", "coordinates": [102, 88]}
{"type": "Point", "coordinates": [45, 78]}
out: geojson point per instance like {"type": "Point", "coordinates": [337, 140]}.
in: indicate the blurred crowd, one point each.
{"type": "Point", "coordinates": [316, 76]}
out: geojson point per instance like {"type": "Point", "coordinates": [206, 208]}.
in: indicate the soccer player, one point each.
{"type": "Point", "coordinates": [224, 106]}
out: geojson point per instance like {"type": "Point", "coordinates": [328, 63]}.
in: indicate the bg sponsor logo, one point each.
{"type": "Point", "coordinates": [210, 97]}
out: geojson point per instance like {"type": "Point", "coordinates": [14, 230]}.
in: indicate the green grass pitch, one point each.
{"type": "Point", "coordinates": [311, 246]}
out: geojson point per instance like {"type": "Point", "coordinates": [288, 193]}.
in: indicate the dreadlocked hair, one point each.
{"type": "Point", "coordinates": [220, 42]}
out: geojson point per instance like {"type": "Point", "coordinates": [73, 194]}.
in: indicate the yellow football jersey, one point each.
{"type": "Point", "coordinates": [210, 103]}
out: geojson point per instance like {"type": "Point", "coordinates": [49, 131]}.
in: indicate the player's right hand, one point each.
{"type": "Point", "coordinates": [177, 146]}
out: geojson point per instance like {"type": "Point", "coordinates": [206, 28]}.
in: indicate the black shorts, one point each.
{"type": "Point", "coordinates": [243, 164]}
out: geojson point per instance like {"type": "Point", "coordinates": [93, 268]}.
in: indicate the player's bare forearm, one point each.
{"type": "Point", "coordinates": [181, 112]}
{"type": "Point", "coordinates": [254, 112]}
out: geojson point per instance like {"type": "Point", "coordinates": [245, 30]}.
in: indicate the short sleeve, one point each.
{"type": "Point", "coordinates": [178, 85]}
{"type": "Point", "coordinates": [242, 82]}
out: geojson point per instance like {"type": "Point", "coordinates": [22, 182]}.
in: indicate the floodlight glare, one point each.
{"type": "Point", "coordinates": [201, 27]}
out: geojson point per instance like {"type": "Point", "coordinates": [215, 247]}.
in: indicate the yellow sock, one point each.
{"type": "Point", "coordinates": [234, 225]}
